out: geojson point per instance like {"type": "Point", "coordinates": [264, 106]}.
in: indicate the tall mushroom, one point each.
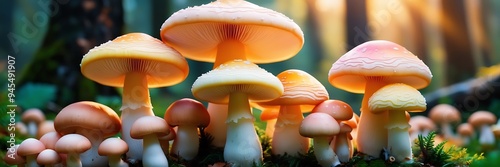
{"type": "Point", "coordinates": [365, 69]}
{"type": "Point", "coordinates": [136, 62]}
{"type": "Point", "coordinates": [446, 116]}
{"type": "Point", "coordinates": [93, 120]}
{"type": "Point", "coordinates": [188, 115]}
{"type": "Point", "coordinates": [225, 30]}
{"type": "Point", "coordinates": [396, 99]}
{"type": "Point", "coordinates": [301, 93]}
{"type": "Point", "coordinates": [235, 83]}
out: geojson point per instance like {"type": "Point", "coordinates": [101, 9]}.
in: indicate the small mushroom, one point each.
{"type": "Point", "coordinates": [149, 128]}
{"type": "Point", "coordinates": [483, 120]}
{"type": "Point", "coordinates": [420, 125]}
{"type": "Point", "coordinates": [465, 133]}
{"type": "Point", "coordinates": [321, 127]}
{"type": "Point", "coordinates": [446, 116]}
{"type": "Point", "coordinates": [45, 127]}
{"type": "Point", "coordinates": [114, 148]}
{"type": "Point", "coordinates": [188, 115]}
{"type": "Point", "coordinates": [32, 118]}
{"type": "Point", "coordinates": [48, 158]}
{"type": "Point", "coordinates": [30, 148]}
{"type": "Point", "coordinates": [73, 145]}
{"type": "Point", "coordinates": [12, 158]}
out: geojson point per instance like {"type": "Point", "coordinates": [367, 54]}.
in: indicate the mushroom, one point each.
{"type": "Point", "coordinates": [445, 115]}
{"type": "Point", "coordinates": [188, 115]}
{"type": "Point", "coordinates": [32, 118]}
{"type": "Point", "coordinates": [235, 83]}
{"type": "Point", "coordinates": [483, 120]}
{"type": "Point", "coordinates": [420, 125]}
{"type": "Point", "coordinates": [396, 99]}
{"type": "Point", "coordinates": [45, 127]}
{"type": "Point", "coordinates": [93, 120]}
{"type": "Point", "coordinates": [301, 93]}
{"type": "Point", "coordinates": [365, 69]}
{"type": "Point", "coordinates": [73, 145]}
{"type": "Point", "coordinates": [49, 140]}
{"type": "Point", "coordinates": [12, 158]}
{"type": "Point", "coordinates": [48, 158]}
{"type": "Point", "coordinates": [114, 148]}
{"type": "Point", "coordinates": [343, 114]}
{"type": "Point", "coordinates": [225, 30]}
{"type": "Point", "coordinates": [465, 133]}
{"type": "Point", "coordinates": [136, 62]}
{"type": "Point", "coordinates": [149, 128]}
{"type": "Point", "coordinates": [21, 128]}
{"type": "Point", "coordinates": [29, 149]}
{"type": "Point", "coordinates": [321, 127]}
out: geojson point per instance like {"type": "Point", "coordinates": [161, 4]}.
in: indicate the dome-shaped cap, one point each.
{"type": "Point", "coordinates": [268, 36]}
{"type": "Point", "coordinates": [444, 113]}
{"type": "Point", "coordinates": [72, 143]}
{"type": "Point", "coordinates": [112, 146]}
{"type": "Point", "coordinates": [319, 124]}
{"type": "Point", "coordinates": [108, 63]}
{"type": "Point", "coordinates": [379, 58]}
{"type": "Point", "coordinates": [397, 97]}
{"type": "Point", "coordinates": [300, 88]}
{"type": "Point", "coordinates": [237, 76]}
{"type": "Point", "coordinates": [148, 125]}
{"type": "Point", "coordinates": [187, 111]}
{"type": "Point", "coordinates": [482, 117]}
{"type": "Point", "coordinates": [87, 115]}
{"type": "Point", "coordinates": [339, 110]}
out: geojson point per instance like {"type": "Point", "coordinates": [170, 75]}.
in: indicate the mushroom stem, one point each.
{"type": "Point", "coordinates": [342, 147]}
{"type": "Point", "coordinates": [242, 144]}
{"type": "Point", "coordinates": [31, 161]}
{"type": "Point", "coordinates": [229, 50]}
{"type": "Point", "coordinates": [32, 128]}
{"type": "Point", "coordinates": [153, 154]}
{"type": "Point", "coordinates": [73, 160]}
{"type": "Point", "coordinates": [91, 157]}
{"type": "Point", "coordinates": [286, 137]}
{"type": "Point", "coordinates": [372, 135]}
{"type": "Point", "coordinates": [398, 141]}
{"type": "Point", "coordinates": [446, 130]}
{"type": "Point", "coordinates": [186, 142]}
{"type": "Point", "coordinates": [217, 127]}
{"type": "Point", "coordinates": [486, 136]}
{"type": "Point", "coordinates": [324, 153]}
{"type": "Point", "coordinates": [135, 104]}
{"type": "Point", "coordinates": [116, 161]}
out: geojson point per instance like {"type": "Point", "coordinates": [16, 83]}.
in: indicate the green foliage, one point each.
{"type": "Point", "coordinates": [35, 95]}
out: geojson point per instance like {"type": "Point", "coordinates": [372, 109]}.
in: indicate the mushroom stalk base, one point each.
{"type": "Point", "coordinates": [91, 157]}
{"type": "Point", "coordinates": [286, 137]}
{"type": "Point", "coordinates": [242, 144]}
{"type": "Point", "coordinates": [186, 142]}
{"type": "Point", "coordinates": [486, 136]}
{"type": "Point", "coordinates": [73, 160]}
{"type": "Point", "coordinates": [136, 103]}
{"type": "Point", "coordinates": [116, 161]}
{"type": "Point", "coordinates": [342, 146]}
{"type": "Point", "coordinates": [153, 155]}
{"type": "Point", "coordinates": [32, 128]}
{"type": "Point", "coordinates": [398, 141]}
{"type": "Point", "coordinates": [324, 153]}
{"type": "Point", "coordinates": [372, 134]}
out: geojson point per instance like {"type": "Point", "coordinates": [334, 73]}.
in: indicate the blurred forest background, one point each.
{"type": "Point", "coordinates": [459, 40]}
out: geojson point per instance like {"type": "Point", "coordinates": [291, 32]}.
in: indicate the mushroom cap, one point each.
{"type": "Point", "coordinates": [187, 111]}
{"type": "Point", "coordinates": [465, 129]}
{"type": "Point", "coordinates": [300, 88]}
{"type": "Point", "coordinates": [148, 125]}
{"type": "Point", "coordinates": [33, 115]}
{"type": "Point", "coordinates": [420, 122]}
{"type": "Point", "coordinates": [17, 160]}
{"type": "Point", "coordinates": [237, 76]}
{"type": "Point", "coordinates": [72, 143]}
{"type": "Point", "coordinates": [30, 146]}
{"type": "Point", "coordinates": [380, 59]}
{"type": "Point", "coordinates": [197, 31]}
{"type": "Point", "coordinates": [397, 97]}
{"type": "Point", "coordinates": [48, 157]}
{"type": "Point", "coordinates": [339, 110]}
{"type": "Point", "coordinates": [480, 118]}
{"type": "Point", "coordinates": [108, 63]}
{"type": "Point", "coordinates": [319, 125]}
{"type": "Point", "coordinates": [50, 139]}
{"type": "Point", "coordinates": [112, 146]}
{"type": "Point", "coordinates": [87, 115]}
{"type": "Point", "coordinates": [268, 112]}
{"type": "Point", "coordinates": [169, 136]}
{"type": "Point", "coordinates": [444, 113]}
{"type": "Point", "coordinates": [45, 127]}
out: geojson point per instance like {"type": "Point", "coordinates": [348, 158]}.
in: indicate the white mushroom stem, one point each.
{"type": "Point", "coordinates": [242, 144]}
{"type": "Point", "coordinates": [31, 161]}
{"type": "Point", "coordinates": [136, 103]}
{"type": "Point", "coordinates": [286, 138]}
{"type": "Point", "coordinates": [186, 142]}
{"type": "Point", "coordinates": [73, 159]}
{"type": "Point", "coordinates": [324, 153]}
{"type": "Point", "coordinates": [153, 154]}
{"type": "Point", "coordinates": [32, 128]}
{"type": "Point", "coordinates": [91, 157]}
{"type": "Point", "coordinates": [116, 161]}
{"type": "Point", "coordinates": [486, 136]}
{"type": "Point", "coordinates": [446, 130]}
{"type": "Point", "coordinates": [342, 146]}
{"type": "Point", "coordinates": [217, 127]}
{"type": "Point", "coordinates": [398, 141]}
{"type": "Point", "coordinates": [372, 135]}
